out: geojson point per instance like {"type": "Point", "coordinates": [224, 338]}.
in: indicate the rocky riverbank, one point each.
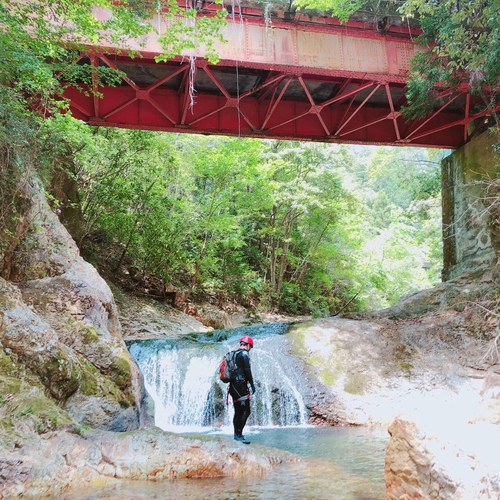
{"type": "Point", "coordinates": [65, 460]}
{"type": "Point", "coordinates": [428, 370]}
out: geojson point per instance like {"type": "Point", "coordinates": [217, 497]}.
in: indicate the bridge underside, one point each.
{"type": "Point", "coordinates": [259, 97]}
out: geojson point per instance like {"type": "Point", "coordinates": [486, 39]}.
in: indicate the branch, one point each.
{"type": "Point", "coordinates": [336, 313]}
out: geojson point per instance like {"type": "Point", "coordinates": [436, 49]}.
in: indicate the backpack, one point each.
{"type": "Point", "coordinates": [227, 367]}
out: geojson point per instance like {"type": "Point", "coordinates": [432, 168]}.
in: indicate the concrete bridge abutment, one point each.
{"type": "Point", "coordinates": [471, 212]}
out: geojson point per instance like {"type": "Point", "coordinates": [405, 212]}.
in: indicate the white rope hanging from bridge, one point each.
{"type": "Point", "coordinates": [191, 89]}
{"type": "Point", "coordinates": [158, 5]}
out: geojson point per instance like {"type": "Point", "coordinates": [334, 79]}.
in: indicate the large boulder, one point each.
{"type": "Point", "coordinates": [442, 459]}
{"type": "Point", "coordinates": [447, 450]}
{"type": "Point", "coordinates": [43, 247]}
{"type": "Point", "coordinates": [454, 295]}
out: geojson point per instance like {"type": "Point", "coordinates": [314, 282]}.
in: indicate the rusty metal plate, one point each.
{"type": "Point", "coordinates": [320, 50]}
{"type": "Point", "coordinates": [364, 54]}
{"type": "Point", "coordinates": [332, 51]}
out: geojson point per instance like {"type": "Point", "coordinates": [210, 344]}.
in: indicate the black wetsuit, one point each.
{"type": "Point", "coordinates": [239, 391]}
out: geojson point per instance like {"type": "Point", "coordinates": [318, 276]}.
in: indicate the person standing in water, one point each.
{"type": "Point", "coordinates": [239, 390]}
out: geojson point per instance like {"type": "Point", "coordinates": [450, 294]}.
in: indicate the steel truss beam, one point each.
{"type": "Point", "coordinates": [253, 100]}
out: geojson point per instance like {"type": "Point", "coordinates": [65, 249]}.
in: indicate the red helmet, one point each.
{"type": "Point", "coordinates": [247, 340]}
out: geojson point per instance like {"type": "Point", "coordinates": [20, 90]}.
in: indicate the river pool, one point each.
{"type": "Point", "coordinates": [336, 463]}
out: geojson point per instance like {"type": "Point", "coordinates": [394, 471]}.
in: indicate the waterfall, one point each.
{"type": "Point", "coordinates": [182, 378]}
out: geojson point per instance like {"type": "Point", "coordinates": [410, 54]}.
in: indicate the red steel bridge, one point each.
{"type": "Point", "coordinates": [293, 76]}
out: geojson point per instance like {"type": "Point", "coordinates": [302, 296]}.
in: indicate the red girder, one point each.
{"type": "Point", "coordinates": [259, 99]}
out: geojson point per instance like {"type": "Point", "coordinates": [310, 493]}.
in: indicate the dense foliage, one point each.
{"type": "Point", "coordinates": [40, 41]}
{"type": "Point", "coordinates": [302, 228]}
{"type": "Point", "coordinates": [460, 42]}
{"type": "Point", "coordinates": [344, 9]}
{"type": "Point", "coordinates": [459, 37]}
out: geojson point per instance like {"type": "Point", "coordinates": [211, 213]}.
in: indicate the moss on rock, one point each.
{"type": "Point", "coordinates": [7, 365]}
{"type": "Point", "coordinates": [355, 383]}
{"type": "Point", "coordinates": [93, 383]}
{"type": "Point", "coordinates": [60, 375]}
{"type": "Point", "coordinates": [25, 409]}
{"type": "Point", "coordinates": [89, 335]}
{"type": "Point", "coordinates": [120, 371]}
{"type": "Point", "coordinates": [403, 355]}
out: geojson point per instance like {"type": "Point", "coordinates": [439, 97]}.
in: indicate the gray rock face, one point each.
{"type": "Point", "coordinates": [59, 318]}
{"type": "Point", "coordinates": [46, 249]}
{"type": "Point", "coordinates": [30, 338]}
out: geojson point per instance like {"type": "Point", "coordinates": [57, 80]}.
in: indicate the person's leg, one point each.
{"type": "Point", "coordinates": [245, 413]}
{"type": "Point", "coordinates": [239, 419]}
{"type": "Point", "coordinates": [241, 409]}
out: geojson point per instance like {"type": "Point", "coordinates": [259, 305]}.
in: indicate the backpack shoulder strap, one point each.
{"type": "Point", "coordinates": [236, 353]}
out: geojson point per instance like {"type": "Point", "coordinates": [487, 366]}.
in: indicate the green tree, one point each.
{"type": "Point", "coordinates": [303, 205]}
{"type": "Point", "coordinates": [402, 246]}
{"type": "Point", "coordinates": [133, 200]}
{"type": "Point", "coordinates": [40, 41]}
{"type": "Point", "coordinates": [458, 37]}
{"type": "Point", "coordinates": [219, 179]}
{"type": "Point", "coordinates": [458, 41]}
{"type": "Point", "coordinates": [343, 9]}
{"type": "Point", "coordinates": [281, 225]}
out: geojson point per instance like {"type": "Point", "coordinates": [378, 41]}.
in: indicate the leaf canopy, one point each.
{"type": "Point", "coordinates": [40, 41]}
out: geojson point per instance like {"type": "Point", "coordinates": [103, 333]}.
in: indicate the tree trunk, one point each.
{"type": "Point", "coordinates": [203, 249]}
{"type": "Point", "coordinates": [305, 261]}
{"type": "Point", "coordinates": [284, 256]}
{"type": "Point", "coordinates": [273, 257]}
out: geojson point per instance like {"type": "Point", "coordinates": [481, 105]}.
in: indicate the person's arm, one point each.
{"type": "Point", "coordinates": [245, 359]}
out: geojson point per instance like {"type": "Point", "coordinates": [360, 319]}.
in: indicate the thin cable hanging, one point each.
{"type": "Point", "coordinates": [238, 99]}
{"type": "Point", "coordinates": [192, 67]}
{"type": "Point", "coordinates": [158, 6]}
{"type": "Point", "coordinates": [191, 89]}
{"type": "Point", "coordinates": [240, 16]}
